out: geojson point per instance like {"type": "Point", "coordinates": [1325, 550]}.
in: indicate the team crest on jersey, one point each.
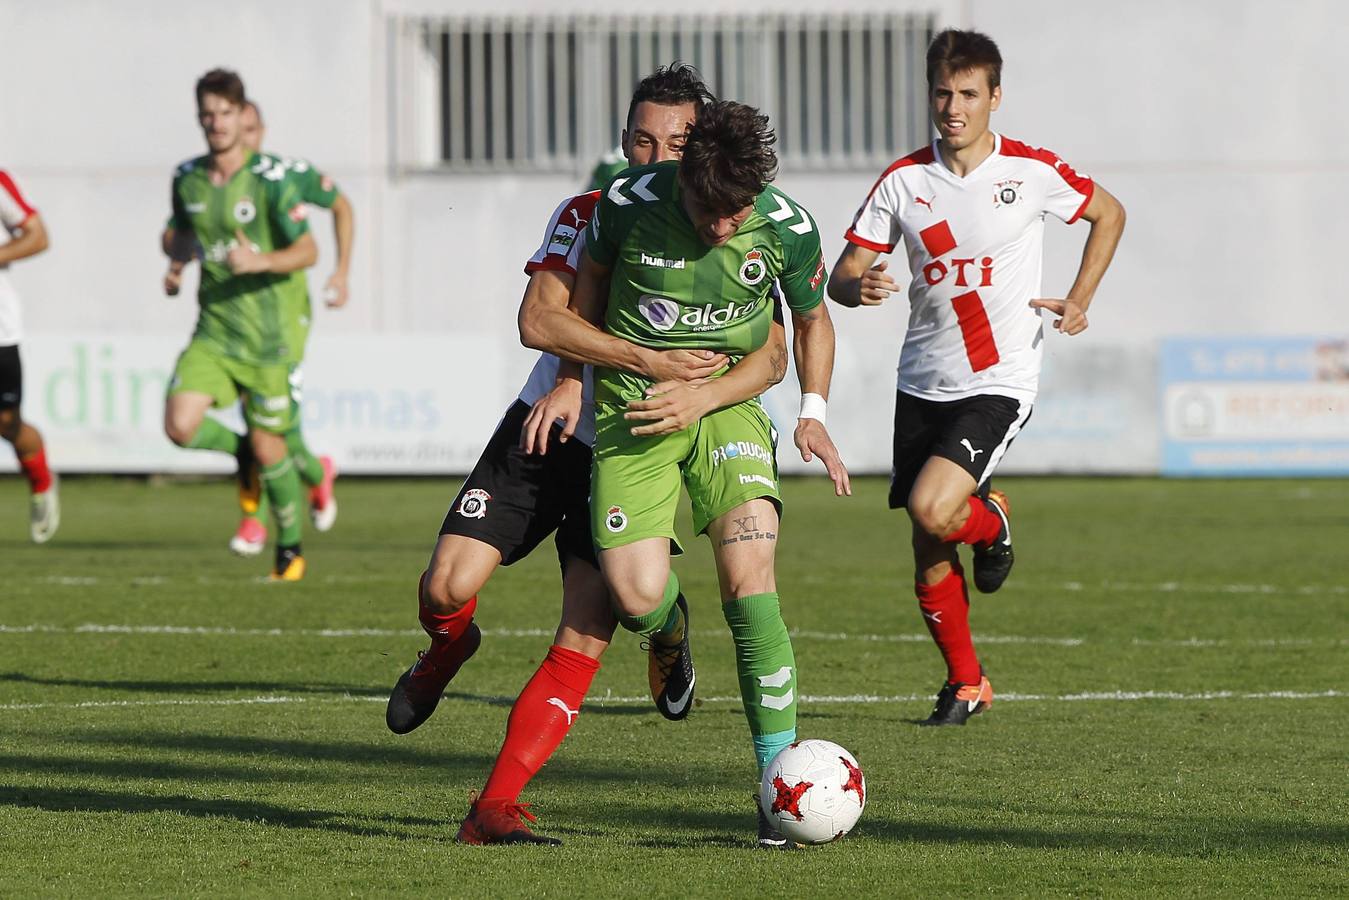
{"type": "Point", "coordinates": [245, 211]}
{"type": "Point", "coordinates": [661, 312]}
{"type": "Point", "coordinates": [754, 270]}
{"type": "Point", "coordinates": [474, 504]}
{"type": "Point", "coordinates": [1006, 193]}
{"type": "Point", "coordinates": [615, 519]}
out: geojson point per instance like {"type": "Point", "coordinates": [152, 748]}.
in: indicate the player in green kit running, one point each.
{"type": "Point", "coordinates": [690, 251]}
{"type": "Point", "coordinates": [249, 221]}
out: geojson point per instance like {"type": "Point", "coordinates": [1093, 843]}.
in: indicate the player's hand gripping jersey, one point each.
{"type": "Point", "coordinates": [560, 252]}
{"type": "Point", "coordinates": [669, 290]}
{"type": "Point", "coordinates": [252, 318]}
{"type": "Point", "coordinates": [974, 247]}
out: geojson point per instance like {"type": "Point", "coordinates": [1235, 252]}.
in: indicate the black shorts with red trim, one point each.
{"type": "Point", "coordinates": [512, 501]}
{"type": "Point", "coordinates": [974, 433]}
{"type": "Point", "coordinates": [11, 377]}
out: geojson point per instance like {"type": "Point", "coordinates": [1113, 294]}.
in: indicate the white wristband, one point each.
{"type": "Point", "coordinates": [812, 407]}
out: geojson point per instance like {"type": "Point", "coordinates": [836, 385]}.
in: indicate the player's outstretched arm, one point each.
{"type": "Point", "coordinates": [813, 347]}
{"type": "Point", "coordinates": [1106, 215]}
{"type": "Point", "coordinates": [672, 406]}
{"type": "Point", "coordinates": [335, 292]}
{"type": "Point", "coordinates": [29, 239]}
{"type": "Point", "coordinates": [858, 281]}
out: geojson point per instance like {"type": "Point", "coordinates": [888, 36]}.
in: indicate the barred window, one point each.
{"type": "Point", "coordinates": [551, 93]}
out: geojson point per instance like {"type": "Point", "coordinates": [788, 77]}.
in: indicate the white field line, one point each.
{"type": "Point", "coordinates": [806, 699]}
{"type": "Point", "coordinates": [1130, 587]}
{"type": "Point", "coordinates": [797, 634]}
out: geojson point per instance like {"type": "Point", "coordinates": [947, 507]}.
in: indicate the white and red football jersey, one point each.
{"type": "Point", "coordinates": [561, 252]}
{"type": "Point", "coordinates": [15, 210]}
{"type": "Point", "coordinates": [975, 247]}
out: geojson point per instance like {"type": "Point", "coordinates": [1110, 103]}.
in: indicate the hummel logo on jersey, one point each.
{"type": "Point", "coordinates": [781, 678]}
{"type": "Point", "coordinates": [196, 208]}
{"type": "Point", "coordinates": [786, 211]}
{"type": "Point", "coordinates": [638, 189]}
{"type": "Point", "coordinates": [927, 203]}
{"type": "Point", "coordinates": [571, 713]}
{"type": "Point", "coordinates": [965, 442]}
{"type": "Point", "coordinates": [662, 263]}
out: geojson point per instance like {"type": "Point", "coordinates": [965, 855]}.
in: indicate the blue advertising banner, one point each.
{"type": "Point", "coordinates": [1255, 406]}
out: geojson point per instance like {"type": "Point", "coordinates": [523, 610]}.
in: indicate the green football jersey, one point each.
{"type": "Point", "coordinates": [253, 317]}
{"type": "Point", "coordinates": [668, 289]}
{"type": "Point", "coordinates": [319, 190]}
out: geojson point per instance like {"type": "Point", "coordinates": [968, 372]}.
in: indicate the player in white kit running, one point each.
{"type": "Point", "coordinates": [970, 212]}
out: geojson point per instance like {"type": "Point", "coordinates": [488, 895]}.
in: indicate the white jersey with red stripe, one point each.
{"type": "Point", "coordinates": [15, 210]}
{"type": "Point", "coordinates": [560, 252]}
{"type": "Point", "coordinates": [975, 248]}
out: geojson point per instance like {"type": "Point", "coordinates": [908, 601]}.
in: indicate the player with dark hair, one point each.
{"type": "Point", "coordinates": [517, 495]}
{"type": "Point", "coordinates": [970, 211]}
{"type": "Point", "coordinates": [248, 220]}
{"type": "Point", "coordinates": [23, 235]}
{"type": "Point", "coordinates": [690, 252]}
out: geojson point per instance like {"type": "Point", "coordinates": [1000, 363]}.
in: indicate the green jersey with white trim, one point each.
{"type": "Point", "coordinates": [253, 318]}
{"type": "Point", "coordinates": [669, 289]}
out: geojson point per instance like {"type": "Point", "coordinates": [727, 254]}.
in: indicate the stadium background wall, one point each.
{"type": "Point", "coordinates": [1199, 116]}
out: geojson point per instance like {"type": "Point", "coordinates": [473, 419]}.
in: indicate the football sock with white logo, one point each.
{"type": "Point", "coordinates": [281, 483]}
{"type": "Point", "coordinates": [541, 717]}
{"type": "Point", "coordinates": [980, 529]}
{"type": "Point", "coordinates": [663, 619]}
{"type": "Point", "coordinates": [211, 435]}
{"type": "Point", "coordinates": [311, 470]}
{"type": "Point", "coordinates": [766, 667]}
{"type": "Point", "coordinates": [946, 611]}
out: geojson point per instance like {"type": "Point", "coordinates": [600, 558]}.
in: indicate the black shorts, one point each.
{"type": "Point", "coordinates": [973, 433]}
{"type": "Point", "coordinates": [513, 501]}
{"type": "Point", "coordinates": [11, 377]}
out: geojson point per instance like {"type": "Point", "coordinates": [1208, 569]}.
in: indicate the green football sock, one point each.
{"type": "Point", "coordinates": [281, 484]}
{"type": "Point", "coordinates": [211, 435]}
{"type": "Point", "coordinates": [661, 620]}
{"type": "Point", "coordinates": [311, 470]}
{"type": "Point", "coordinates": [766, 667]}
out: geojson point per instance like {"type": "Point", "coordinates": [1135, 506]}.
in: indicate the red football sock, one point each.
{"type": "Point", "coordinates": [946, 610]}
{"type": "Point", "coordinates": [539, 720]}
{"type": "Point", "coordinates": [444, 628]}
{"type": "Point", "coordinates": [35, 468]}
{"type": "Point", "coordinates": [980, 529]}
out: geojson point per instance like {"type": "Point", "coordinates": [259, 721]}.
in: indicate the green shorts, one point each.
{"type": "Point", "coordinates": [724, 460]}
{"type": "Point", "coordinates": [266, 390]}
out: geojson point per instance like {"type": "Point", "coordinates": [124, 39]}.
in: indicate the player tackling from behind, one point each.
{"type": "Point", "coordinates": [22, 235]}
{"type": "Point", "coordinates": [970, 211]}
{"type": "Point", "coordinates": [515, 497]}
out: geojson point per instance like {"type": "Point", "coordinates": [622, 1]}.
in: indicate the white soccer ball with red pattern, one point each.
{"type": "Point", "coordinates": [813, 791]}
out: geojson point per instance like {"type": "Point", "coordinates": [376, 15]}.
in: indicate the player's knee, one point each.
{"type": "Point", "coordinates": [180, 430]}
{"type": "Point", "coordinates": [638, 592]}
{"type": "Point", "coordinates": [10, 424]}
{"type": "Point", "coordinates": [444, 591]}
{"type": "Point", "coordinates": [929, 518]}
{"type": "Point", "coordinates": [750, 581]}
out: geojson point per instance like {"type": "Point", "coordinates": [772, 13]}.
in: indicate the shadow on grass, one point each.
{"type": "Point", "coordinates": [248, 811]}
{"type": "Point", "coordinates": [198, 687]}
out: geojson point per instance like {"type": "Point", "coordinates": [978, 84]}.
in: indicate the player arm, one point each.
{"type": "Point", "coordinates": [344, 235]}
{"type": "Point", "coordinates": [564, 322]}
{"type": "Point", "coordinates": [672, 406]}
{"type": "Point", "coordinates": [302, 253]}
{"type": "Point", "coordinates": [30, 239]}
{"type": "Point", "coordinates": [1106, 216]}
{"type": "Point", "coordinates": [857, 280]}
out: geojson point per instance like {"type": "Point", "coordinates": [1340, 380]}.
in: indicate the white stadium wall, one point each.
{"type": "Point", "coordinates": [1207, 119]}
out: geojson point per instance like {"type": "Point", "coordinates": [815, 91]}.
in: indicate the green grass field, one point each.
{"type": "Point", "coordinates": [1169, 657]}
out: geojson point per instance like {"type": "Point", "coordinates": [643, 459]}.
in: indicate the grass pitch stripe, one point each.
{"type": "Point", "coordinates": [807, 699]}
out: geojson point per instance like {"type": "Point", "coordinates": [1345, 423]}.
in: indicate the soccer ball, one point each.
{"type": "Point", "coordinates": [813, 791]}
